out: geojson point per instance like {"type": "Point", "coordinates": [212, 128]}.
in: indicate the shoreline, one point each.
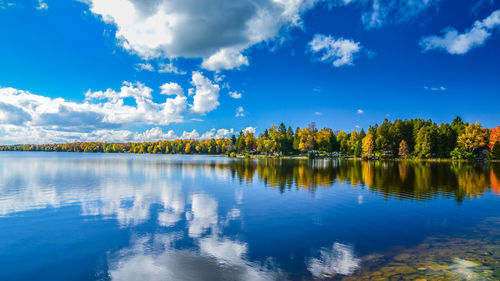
{"type": "Point", "coordinates": [288, 157]}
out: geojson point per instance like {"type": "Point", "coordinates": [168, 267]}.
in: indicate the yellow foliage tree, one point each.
{"type": "Point", "coordinates": [368, 145]}
{"type": "Point", "coordinates": [473, 137]}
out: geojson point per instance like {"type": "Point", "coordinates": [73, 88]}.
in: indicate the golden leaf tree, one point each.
{"type": "Point", "coordinates": [368, 145]}
{"type": "Point", "coordinates": [473, 137]}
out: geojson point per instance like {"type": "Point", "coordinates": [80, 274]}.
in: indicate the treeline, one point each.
{"type": "Point", "coordinates": [415, 138]}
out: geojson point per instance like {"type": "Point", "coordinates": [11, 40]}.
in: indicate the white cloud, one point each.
{"type": "Point", "coordinates": [235, 95]}
{"type": "Point", "coordinates": [318, 113]}
{"type": "Point", "coordinates": [360, 111]}
{"type": "Point", "coordinates": [155, 134]}
{"type": "Point", "coordinates": [339, 260]}
{"type": "Point", "coordinates": [42, 5]}
{"type": "Point", "coordinates": [216, 31]}
{"type": "Point", "coordinates": [206, 94]}
{"type": "Point", "coordinates": [13, 134]}
{"type": "Point", "coordinates": [250, 130]}
{"type": "Point", "coordinates": [190, 135]}
{"type": "Point", "coordinates": [172, 89]}
{"type": "Point", "coordinates": [218, 134]}
{"type": "Point", "coordinates": [435, 89]}
{"type": "Point", "coordinates": [170, 68]}
{"type": "Point", "coordinates": [456, 43]}
{"type": "Point", "coordinates": [225, 59]}
{"type": "Point", "coordinates": [146, 111]}
{"type": "Point", "coordinates": [144, 66]}
{"type": "Point", "coordinates": [103, 115]}
{"type": "Point", "coordinates": [240, 112]}
{"type": "Point", "coordinates": [337, 51]}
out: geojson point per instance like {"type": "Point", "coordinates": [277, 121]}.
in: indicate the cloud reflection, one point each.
{"type": "Point", "coordinates": [218, 260]}
{"type": "Point", "coordinates": [340, 259]}
{"type": "Point", "coordinates": [214, 256]}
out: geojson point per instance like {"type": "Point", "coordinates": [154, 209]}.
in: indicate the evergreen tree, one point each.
{"type": "Point", "coordinates": [495, 152]}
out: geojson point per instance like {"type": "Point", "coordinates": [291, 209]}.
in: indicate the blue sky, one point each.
{"type": "Point", "coordinates": [130, 70]}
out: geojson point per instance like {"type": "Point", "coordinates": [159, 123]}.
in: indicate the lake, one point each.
{"type": "Point", "coordinates": [72, 216]}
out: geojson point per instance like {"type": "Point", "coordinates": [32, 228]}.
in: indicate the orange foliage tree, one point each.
{"type": "Point", "coordinates": [494, 136]}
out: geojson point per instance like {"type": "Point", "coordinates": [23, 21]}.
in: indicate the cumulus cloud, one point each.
{"type": "Point", "coordinates": [190, 135]}
{"type": "Point", "coordinates": [225, 59]}
{"type": "Point", "coordinates": [339, 51]}
{"type": "Point", "coordinates": [154, 134]}
{"type": "Point", "coordinates": [456, 43]}
{"type": "Point", "coordinates": [377, 13]}
{"type": "Point", "coordinates": [11, 114]}
{"type": "Point", "coordinates": [113, 109]}
{"type": "Point", "coordinates": [240, 111]}
{"type": "Point", "coordinates": [144, 66]}
{"type": "Point", "coordinates": [218, 31]}
{"type": "Point", "coordinates": [170, 68]}
{"type": "Point", "coordinates": [235, 95]}
{"type": "Point", "coordinates": [171, 89]}
{"type": "Point", "coordinates": [14, 134]}
{"type": "Point", "coordinates": [103, 115]}
{"type": "Point", "coordinates": [206, 94]}
{"type": "Point", "coordinates": [360, 111]}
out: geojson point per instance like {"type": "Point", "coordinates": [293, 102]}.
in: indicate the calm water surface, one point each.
{"type": "Point", "coordinates": [70, 216]}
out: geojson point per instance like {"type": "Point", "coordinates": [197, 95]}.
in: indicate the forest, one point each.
{"type": "Point", "coordinates": [413, 138]}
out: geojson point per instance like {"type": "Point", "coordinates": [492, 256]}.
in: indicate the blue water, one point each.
{"type": "Point", "coordinates": [71, 216]}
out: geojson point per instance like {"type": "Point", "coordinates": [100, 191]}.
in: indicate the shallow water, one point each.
{"type": "Point", "coordinates": [70, 216]}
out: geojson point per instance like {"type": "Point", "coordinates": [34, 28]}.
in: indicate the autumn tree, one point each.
{"type": "Point", "coordinates": [494, 137]}
{"type": "Point", "coordinates": [324, 140]}
{"type": "Point", "coordinates": [250, 141]}
{"type": "Point", "coordinates": [474, 136]}
{"type": "Point", "coordinates": [368, 145]}
{"type": "Point", "coordinates": [403, 149]}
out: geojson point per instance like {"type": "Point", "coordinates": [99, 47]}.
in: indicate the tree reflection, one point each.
{"type": "Point", "coordinates": [415, 180]}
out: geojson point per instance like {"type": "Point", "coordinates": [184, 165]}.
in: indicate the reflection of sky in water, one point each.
{"type": "Point", "coordinates": [212, 218]}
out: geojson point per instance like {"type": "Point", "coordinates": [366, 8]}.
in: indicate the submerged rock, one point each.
{"type": "Point", "coordinates": [474, 256]}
